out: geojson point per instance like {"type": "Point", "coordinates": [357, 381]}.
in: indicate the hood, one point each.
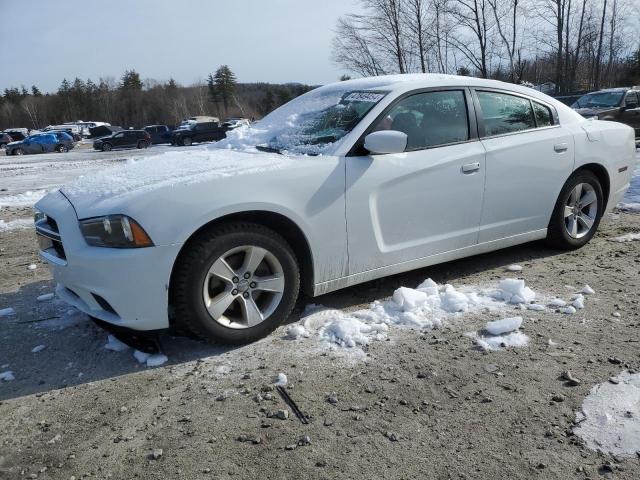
{"type": "Point", "coordinates": [159, 178]}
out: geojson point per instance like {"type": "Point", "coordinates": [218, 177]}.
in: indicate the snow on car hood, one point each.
{"type": "Point", "coordinates": [170, 169]}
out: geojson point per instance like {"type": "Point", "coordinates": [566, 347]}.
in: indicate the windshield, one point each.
{"type": "Point", "coordinates": [599, 100]}
{"type": "Point", "coordinates": [309, 124]}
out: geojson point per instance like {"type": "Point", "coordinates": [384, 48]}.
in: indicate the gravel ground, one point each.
{"type": "Point", "coordinates": [420, 405]}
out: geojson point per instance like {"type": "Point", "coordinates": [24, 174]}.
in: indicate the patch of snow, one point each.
{"type": "Point", "coordinates": [506, 325]}
{"type": "Point", "coordinates": [45, 297]}
{"type": "Point", "coordinates": [281, 380]}
{"type": "Point", "coordinates": [514, 268]}
{"type": "Point", "coordinates": [609, 420]}
{"type": "Point", "coordinates": [536, 307]}
{"type": "Point", "coordinates": [151, 360]}
{"type": "Point", "coordinates": [18, 224]}
{"type": "Point", "coordinates": [171, 169]}
{"type": "Point", "coordinates": [587, 290]}
{"type": "Point", "coordinates": [38, 348]}
{"type": "Point", "coordinates": [141, 357]}
{"type": "Point", "coordinates": [628, 237]}
{"type": "Point", "coordinates": [26, 199]}
{"type": "Point", "coordinates": [498, 342]}
{"type": "Point", "coordinates": [7, 376]}
{"type": "Point", "coordinates": [115, 345]}
{"type": "Point", "coordinates": [578, 302]}
{"type": "Point", "coordinates": [32, 267]}
{"type": "Point", "coordinates": [558, 302]}
{"type": "Point", "coordinates": [5, 312]}
{"type": "Point", "coordinates": [223, 369]}
{"type": "Point", "coordinates": [296, 332]}
{"type": "Point", "coordinates": [570, 310]}
{"type": "Point", "coordinates": [512, 290]}
{"type": "Point", "coordinates": [631, 200]}
{"type": "Point", "coordinates": [157, 359]}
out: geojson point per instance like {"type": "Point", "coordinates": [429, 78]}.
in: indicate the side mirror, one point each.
{"type": "Point", "coordinates": [386, 141]}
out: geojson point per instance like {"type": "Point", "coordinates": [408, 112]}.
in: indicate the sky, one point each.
{"type": "Point", "coordinates": [273, 41]}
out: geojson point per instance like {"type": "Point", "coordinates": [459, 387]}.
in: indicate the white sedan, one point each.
{"type": "Point", "coordinates": [350, 182]}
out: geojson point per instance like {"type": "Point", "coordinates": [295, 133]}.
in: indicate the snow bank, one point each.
{"type": "Point", "coordinates": [610, 417]}
{"type": "Point", "coordinates": [18, 224]}
{"type": "Point", "coordinates": [26, 199]}
{"type": "Point", "coordinates": [172, 169]}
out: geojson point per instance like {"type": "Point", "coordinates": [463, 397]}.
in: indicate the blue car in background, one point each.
{"type": "Point", "coordinates": [41, 143]}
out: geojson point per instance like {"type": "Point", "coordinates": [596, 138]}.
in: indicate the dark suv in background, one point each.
{"type": "Point", "coordinates": [198, 132]}
{"type": "Point", "coordinates": [616, 104]}
{"type": "Point", "coordinates": [123, 139]}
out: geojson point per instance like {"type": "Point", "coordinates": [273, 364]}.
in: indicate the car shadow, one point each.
{"type": "Point", "coordinates": [74, 350]}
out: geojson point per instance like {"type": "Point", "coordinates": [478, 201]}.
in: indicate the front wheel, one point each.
{"type": "Point", "coordinates": [187, 141]}
{"type": "Point", "coordinates": [577, 213]}
{"type": "Point", "coordinates": [62, 149]}
{"type": "Point", "coordinates": [106, 147]}
{"type": "Point", "coordinates": [18, 151]}
{"type": "Point", "coordinates": [235, 283]}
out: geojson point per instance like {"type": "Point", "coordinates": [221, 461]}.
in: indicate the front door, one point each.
{"type": "Point", "coordinates": [404, 207]}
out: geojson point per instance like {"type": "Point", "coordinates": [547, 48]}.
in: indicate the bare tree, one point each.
{"type": "Point", "coordinates": [472, 18]}
{"type": "Point", "coordinates": [598, 58]}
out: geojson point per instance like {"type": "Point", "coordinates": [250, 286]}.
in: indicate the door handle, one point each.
{"type": "Point", "coordinates": [471, 167]}
{"type": "Point", "coordinates": [561, 147]}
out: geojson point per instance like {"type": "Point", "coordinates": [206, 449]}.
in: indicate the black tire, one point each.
{"type": "Point", "coordinates": [62, 148]}
{"type": "Point", "coordinates": [187, 141]}
{"type": "Point", "coordinates": [188, 279]}
{"type": "Point", "coordinates": [142, 144]}
{"type": "Point", "coordinates": [557, 234]}
{"type": "Point", "coordinates": [18, 151]}
{"type": "Point", "coordinates": [106, 147]}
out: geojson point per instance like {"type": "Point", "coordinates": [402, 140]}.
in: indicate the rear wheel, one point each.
{"type": "Point", "coordinates": [106, 147]}
{"type": "Point", "coordinates": [577, 213]}
{"type": "Point", "coordinates": [187, 141]}
{"type": "Point", "coordinates": [62, 149]}
{"type": "Point", "coordinates": [235, 283]}
{"type": "Point", "coordinates": [142, 144]}
{"type": "Point", "coordinates": [18, 151]}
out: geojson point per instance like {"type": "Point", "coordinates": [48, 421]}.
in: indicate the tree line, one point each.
{"type": "Point", "coordinates": [573, 44]}
{"type": "Point", "coordinates": [131, 101]}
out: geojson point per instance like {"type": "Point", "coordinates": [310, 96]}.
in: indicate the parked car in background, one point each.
{"type": "Point", "coordinates": [350, 182]}
{"type": "Point", "coordinates": [568, 99]}
{"type": "Point", "coordinates": [123, 139]}
{"type": "Point", "coordinates": [617, 104]}
{"type": "Point", "coordinates": [64, 128]}
{"type": "Point", "coordinates": [235, 122]}
{"type": "Point", "coordinates": [159, 133]}
{"type": "Point", "coordinates": [197, 132]}
{"type": "Point", "coordinates": [4, 139]}
{"type": "Point", "coordinates": [41, 143]}
{"type": "Point", "coordinates": [15, 135]}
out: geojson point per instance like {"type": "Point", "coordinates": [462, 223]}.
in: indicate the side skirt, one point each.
{"type": "Point", "coordinates": [337, 284]}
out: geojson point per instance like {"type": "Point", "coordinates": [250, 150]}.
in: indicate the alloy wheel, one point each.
{"type": "Point", "coordinates": [580, 210]}
{"type": "Point", "coordinates": [243, 287]}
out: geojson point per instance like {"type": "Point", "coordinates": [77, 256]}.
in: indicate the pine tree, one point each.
{"type": "Point", "coordinates": [35, 91]}
{"type": "Point", "coordinates": [131, 81]}
{"type": "Point", "coordinates": [224, 85]}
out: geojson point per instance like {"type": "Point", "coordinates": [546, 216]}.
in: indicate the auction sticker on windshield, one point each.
{"type": "Point", "coordinates": [372, 97]}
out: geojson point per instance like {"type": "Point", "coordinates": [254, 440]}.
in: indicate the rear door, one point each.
{"type": "Point", "coordinates": [529, 158]}
{"type": "Point", "coordinates": [425, 201]}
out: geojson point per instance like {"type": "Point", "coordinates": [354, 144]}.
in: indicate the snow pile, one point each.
{"type": "Point", "coordinates": [500, 334]}
{"type": "Point", "coordinates": [7, 376]}
{"type": "Point", "coordinates": [171, 169]}
{"type": "Point", "coordinates": [628, 237]}
{"type": "Point", "coordinates": [26, 199]}
{"type": "Point", "coordinates": [426, 307]}
{"type": "Point", "coordinates": [18, 224]}
{"type": "Point", "coordinates": [610, 416]}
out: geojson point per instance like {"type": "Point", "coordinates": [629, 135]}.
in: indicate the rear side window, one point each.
{"type": "Point", "coordinates": [504, 113]}
{"type": "Point", "coordinates": [543, 115]}
{"type": "Point", "coordinates": [429, 119]}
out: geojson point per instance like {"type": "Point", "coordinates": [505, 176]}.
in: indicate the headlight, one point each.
{"type": "Point", "coordinates": [38, 215]}
{"type": "Point", "coordinates": [114, 231]}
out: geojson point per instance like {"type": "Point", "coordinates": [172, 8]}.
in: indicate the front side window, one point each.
{"type": "Point", "coordinates": [504, 113]}
{"type": "Point", "coordinates": [429, 119]}
{"type": "Point", "coordinates": [543, 115]}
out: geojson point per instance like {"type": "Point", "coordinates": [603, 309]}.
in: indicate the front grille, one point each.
{"type": "Point", "coordinates": [49, 238]}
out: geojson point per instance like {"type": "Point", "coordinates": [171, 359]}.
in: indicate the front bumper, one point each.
{"type": "Point", "coordinates": [127, 288]}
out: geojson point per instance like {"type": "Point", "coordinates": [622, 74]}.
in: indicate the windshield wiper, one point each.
{"type": "Point", "coordinates": [264, 148]}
